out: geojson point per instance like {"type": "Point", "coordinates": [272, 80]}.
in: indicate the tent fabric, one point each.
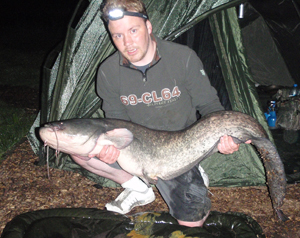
{"type": "Point", "coordinates": [282, 19]}
{"type": "Point", "coordinates": [92, 223]}
{"type": "Point", "coordinates": [69, 90]}
{"type": "Point", "coordinates": [267, 64]}
{"type": "Point", "coordinates": [219, 167]}
{"type": "Point", "coordinates": [200, 39]}
{"type": "Point", "coordinates": [243, 98]}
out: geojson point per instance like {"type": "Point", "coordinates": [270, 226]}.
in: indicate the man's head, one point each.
{"type": "Point", "coordinates": [130, 30]}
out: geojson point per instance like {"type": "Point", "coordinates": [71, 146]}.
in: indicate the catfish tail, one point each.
{"type": "Point", "coordinates": [274, 169]}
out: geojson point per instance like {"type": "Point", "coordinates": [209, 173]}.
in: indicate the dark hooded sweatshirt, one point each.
{"type": "Point", "coordinates": [165, 97]}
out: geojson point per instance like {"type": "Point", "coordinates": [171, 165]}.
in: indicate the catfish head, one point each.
{"type": "Point", "coordinates": [82, 137]}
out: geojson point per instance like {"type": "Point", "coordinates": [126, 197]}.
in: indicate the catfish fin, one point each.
{"type": "Point", "coordinates": [120, 137]}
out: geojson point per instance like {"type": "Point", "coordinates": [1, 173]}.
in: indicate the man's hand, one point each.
{"type": "Point", "coordinates": [109, 154]}
{"type": "Point", "coordinates": [228, 146]}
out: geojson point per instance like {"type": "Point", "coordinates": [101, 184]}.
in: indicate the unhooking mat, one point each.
{"type": "Point", "coordinates": [94, 223]}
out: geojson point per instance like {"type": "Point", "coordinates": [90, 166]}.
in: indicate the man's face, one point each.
{"type": "Point", "coordinates": [131, 36]}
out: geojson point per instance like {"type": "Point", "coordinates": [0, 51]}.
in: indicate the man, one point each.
{"type": "Point", "coordinates": [160, 85]}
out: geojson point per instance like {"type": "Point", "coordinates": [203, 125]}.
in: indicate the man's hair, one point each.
{"type": "Point", "coordinates": [126, 5]}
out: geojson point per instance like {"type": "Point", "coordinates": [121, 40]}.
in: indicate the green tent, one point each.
{"type": "Point", "coordinates": [214, 30]}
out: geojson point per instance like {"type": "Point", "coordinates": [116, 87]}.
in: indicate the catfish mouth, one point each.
{"type": "Point", "coordinates": [48, 134]}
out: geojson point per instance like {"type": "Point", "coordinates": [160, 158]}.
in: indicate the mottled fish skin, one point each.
{"type": "Point", "coordinates": [151, 154]}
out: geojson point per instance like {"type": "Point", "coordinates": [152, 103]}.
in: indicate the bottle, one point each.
{"type": "Point", "coordinates": [271, 115]}
{"type": "Point", "coordinates": [294, 91]}
{"type": "Point", "coordinates": [272, 120]}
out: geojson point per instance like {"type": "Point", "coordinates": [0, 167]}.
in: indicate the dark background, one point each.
{"type": "Point", "coordinates": [34, 24]}
{"type": "Point", "coordinates": [28, 31]}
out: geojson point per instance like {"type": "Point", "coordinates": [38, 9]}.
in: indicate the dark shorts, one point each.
{"type": "Point", "coordinates": [186, 196]}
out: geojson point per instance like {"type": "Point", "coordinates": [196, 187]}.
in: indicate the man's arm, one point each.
{"type": "Point", "coordinates": [107, 87]}
{"type": "Point", "coordinates": [205, 99]}
{"type": "Point", "coordinates": [113, 108]}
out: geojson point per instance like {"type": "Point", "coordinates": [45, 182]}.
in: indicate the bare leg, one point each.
{"type": "Point", "coordinates": [136, 192]}
{"type": "Point", "coordinates": [102, 169]}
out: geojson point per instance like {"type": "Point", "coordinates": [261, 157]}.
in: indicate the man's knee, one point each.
{"type": "Point", "coordinates": [194, 206]}
{"type": "Point", "coordinates": [186, 196]}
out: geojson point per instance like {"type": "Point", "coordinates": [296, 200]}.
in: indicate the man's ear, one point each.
{"type": "Point", "coordinates": [149, 27]}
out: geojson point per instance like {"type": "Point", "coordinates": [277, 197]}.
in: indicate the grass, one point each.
{"type": "Point", "coordinates": [14, 125]}
{"type": "Point", "coordinates": [19, 67]}
{"type": "Point", "coordinates": [29, 32]}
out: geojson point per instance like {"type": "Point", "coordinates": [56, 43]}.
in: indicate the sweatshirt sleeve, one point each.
{"type": "Point", "coordinates": [107, 90]}
{"type": "Point", "coordinates": [204, 96]}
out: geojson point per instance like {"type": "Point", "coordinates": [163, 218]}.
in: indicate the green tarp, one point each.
{"type": "Point", "coordinates": [69, 83]}
{"type": "Point", "coordinates": [93, 223]}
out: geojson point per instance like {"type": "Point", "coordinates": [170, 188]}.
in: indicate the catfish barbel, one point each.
{"type": "Point", "coordinates": [152, 154]}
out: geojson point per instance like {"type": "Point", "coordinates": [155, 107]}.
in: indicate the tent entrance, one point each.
{"type": "Point", "coordinates": [69, 91]}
